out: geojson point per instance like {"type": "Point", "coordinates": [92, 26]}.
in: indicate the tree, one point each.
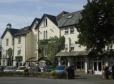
{"type": "Point", "coordinates": [96, 27]}
{"type": "Point", "coordinates": [10, 56]}
{"type": "Point", "coordinates": [51, 46]}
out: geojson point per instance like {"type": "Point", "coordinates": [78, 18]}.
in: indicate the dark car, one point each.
{"type": "Point", "coordinates": [51, 68]}
{"type": "Point", "coordinates": [2, 68]}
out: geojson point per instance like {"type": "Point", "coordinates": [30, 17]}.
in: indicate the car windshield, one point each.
{"type": "Point", "coordinates": [10, 68]}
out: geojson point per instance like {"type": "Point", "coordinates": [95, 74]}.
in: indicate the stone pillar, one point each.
{"type": "Point", "coordinates": [69, 44]}
{"type": "Point", "coordinates": [86, 65]}
{"type": "Point", "coordinates": [59, 61]}
{"type": "Point", "coordinates": [69, 62]}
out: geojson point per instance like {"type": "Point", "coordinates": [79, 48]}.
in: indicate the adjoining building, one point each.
{"type": "Point", "coordinates": [8, 44]}
{"type": "Point", "coordinates": [73, 52]}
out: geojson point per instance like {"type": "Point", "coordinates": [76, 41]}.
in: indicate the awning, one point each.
{"type": "Point", "coordinates": [74, 53]}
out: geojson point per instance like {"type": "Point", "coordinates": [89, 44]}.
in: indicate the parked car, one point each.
{"type": "Point", "coordinates": [21, 69]}
{"type": "Point", "coordinates": [9, 69]}
{"type": "Point", "coordinates": [60, 69]}
{"type": "Point", "coordinates": [51, 68]}
{"type": "Point", "coordinates": [2, 68]}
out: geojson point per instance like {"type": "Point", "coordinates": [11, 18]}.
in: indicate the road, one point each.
{"type": "Point", "coordinates": [22, 80]}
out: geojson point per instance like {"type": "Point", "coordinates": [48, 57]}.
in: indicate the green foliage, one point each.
{"type": "Point", "coordinates": [33, 74]}
{"type": "Point", "coordinates": [19, 58]}
{"type": "Point", "coordinates": [96, 28]}
{"type": "Point", "coordinates": [51, 47]}
{"type": "Point", "coordinates": [10, 52]}
{"type": "Point", "coordinates": [10, 56]}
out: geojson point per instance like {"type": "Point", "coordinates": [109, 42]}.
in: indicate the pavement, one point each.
{"type": "Point", "coordinates": [30, 80]}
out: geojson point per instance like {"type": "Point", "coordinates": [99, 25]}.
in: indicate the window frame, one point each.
{"type": "Point", "coordinates": [7, 42]}
{"type": "Point", "coordinates": [19, 52]}
{"type": "Point", "coordinates": [66, 31]}
{"type": "Point", "coordinates": [71, 30]}
{"type": "Point", "coordinates": [71, 48]}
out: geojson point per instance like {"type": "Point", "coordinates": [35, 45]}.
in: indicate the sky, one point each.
{"type": "Point", "coordinates": [21, 13]}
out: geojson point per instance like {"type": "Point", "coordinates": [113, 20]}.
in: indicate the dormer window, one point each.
{"type": "Point", "coordinates": [66, 31]}
{"type": "Point", "coordinates": [70, 16]}
{"type": "Point", "coordinates": [71, 30]}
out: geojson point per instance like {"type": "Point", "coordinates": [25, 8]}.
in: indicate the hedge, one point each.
{"type": "Point", "coordinates": [35, 74]}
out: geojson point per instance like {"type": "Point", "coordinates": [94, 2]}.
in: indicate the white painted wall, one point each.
{"type": "Point", "coordinates": [52, 30]}
{"type": "Point", "coordinates": [28, 46]}
{"type": "Point", "coordinates": [20, 46]}
{"type": "Point", "coordinates": [5, 48]}
{"type": "Point", "coordinates": [73, 39]}
{"type": "Point", "coordinates": [34, 40]}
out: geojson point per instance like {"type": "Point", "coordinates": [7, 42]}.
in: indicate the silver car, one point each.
{"type": "Point", "coordinates": [9, 69]}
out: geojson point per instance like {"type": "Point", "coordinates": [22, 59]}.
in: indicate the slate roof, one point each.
{"type": "Point", "coordinates": [12, 31]}
{"type": "Point", "coordinates": [74, 53]}
{"type": "Point", "coordinates": [69, 19]}
{"type": "Point", "coordinates": [61, 14]}
{"type": "Point", "coordinates": [23, 31]}
{"type": "Point", "coordinates": [52, 18]}
{"type": "Point", "coordinates": [36, 19]}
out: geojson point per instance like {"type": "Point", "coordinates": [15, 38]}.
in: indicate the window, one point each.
{"type": "Point", "coordinates": [69, 17]}
{"type": "Point", "coordinates": [19, 40]}
{"type": "Point", "coordinates": [72, 48]}
{"type": "Point", "coordinates": [45, 22]}
{"type": "Point", "coordinates": [66, 31]}
{"type": "Point", "coordinates": [7, 42]}
{"type": "Point", "coordinates": [71, 30]}
{"type": "Point", "coordinates": [45, 35]}
{"type": "Point", "coordinates": [18, 52]}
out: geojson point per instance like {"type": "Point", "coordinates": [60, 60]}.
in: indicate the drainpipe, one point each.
{"type": "Point", "coordinates": [38, 44]}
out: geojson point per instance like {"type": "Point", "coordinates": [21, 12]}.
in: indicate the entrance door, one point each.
{"type": "Point", "coordinates": [97, 67]}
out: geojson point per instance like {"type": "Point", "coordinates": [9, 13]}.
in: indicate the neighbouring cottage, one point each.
{"type": "Point", "coordinates": [73, 52]}
{"type": "Point", "coordinates": [8, 43]}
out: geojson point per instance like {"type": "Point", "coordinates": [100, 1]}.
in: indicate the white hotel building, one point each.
{"type": "Point", "coordinates": [24, 43]}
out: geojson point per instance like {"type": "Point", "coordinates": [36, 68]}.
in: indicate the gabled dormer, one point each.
{"type": "Point", "coordinates": [48, 27]}
{"type": "Point", "coordinates": [44, 22]}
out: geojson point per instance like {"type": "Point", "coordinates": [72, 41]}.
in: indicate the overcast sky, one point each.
{"type": "Point", "coordinates": [21, 13]}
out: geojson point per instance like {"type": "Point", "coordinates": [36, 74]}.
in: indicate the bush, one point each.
{"type": "Point", "coordinates": [3, 74]}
